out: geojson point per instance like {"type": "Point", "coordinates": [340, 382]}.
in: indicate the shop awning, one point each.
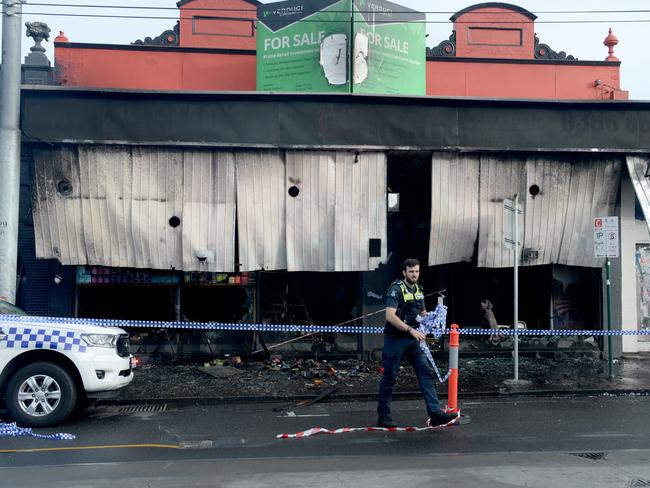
{"type": "Point", "coordinates": [135, 207]}
{"type": "Point", "coordinates": [338, 213]}
{"type": "Point", "coordinates": [454, 207]}
{"type": "Point", "coordinates": [168, 208]}
{"type": "Point", "coordinates": [639, 169]}
{"type": "Point", "coordinates": [467, 206]}
{"type": "Point", "coordinates": [261, 210]}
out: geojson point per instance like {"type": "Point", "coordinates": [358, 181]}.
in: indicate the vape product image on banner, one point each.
{"type": "Point", "coordinates": [349, 46]}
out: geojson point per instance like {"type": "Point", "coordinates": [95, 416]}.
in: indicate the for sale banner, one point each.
{"type": "Point", "coordinates": [389, 49]}
{"type": "Point", "coordinates": [360, 46]}
{"type": "Point", "coordinates": [302, 45]}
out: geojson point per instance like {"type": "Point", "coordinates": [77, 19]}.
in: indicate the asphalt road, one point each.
{"type": "Point", "coordinates": [526, 441]}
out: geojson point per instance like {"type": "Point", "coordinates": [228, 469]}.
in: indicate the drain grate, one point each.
{"type": "Point", "coordinates": [639, 483]}
{"type": "Point", "coordinates": [159, 407]}
{"type": "Point", "coordinates": [594, 456]}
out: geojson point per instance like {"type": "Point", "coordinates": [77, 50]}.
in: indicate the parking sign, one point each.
{"type": "Point", "coordinates": [606, 241]}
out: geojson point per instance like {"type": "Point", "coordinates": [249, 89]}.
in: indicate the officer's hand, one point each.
{"type": "Point", "coordinates": [417, 335]}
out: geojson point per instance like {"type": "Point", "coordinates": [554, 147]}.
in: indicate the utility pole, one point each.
{"type": "Point", "coordinates": [10, 78]}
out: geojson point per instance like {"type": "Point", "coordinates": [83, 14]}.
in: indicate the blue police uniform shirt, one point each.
{"type": "Point", "coordinates": [409, 302]}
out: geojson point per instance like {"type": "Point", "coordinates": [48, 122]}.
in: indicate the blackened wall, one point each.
{"type": "Point", "coordinates": [37, 293]}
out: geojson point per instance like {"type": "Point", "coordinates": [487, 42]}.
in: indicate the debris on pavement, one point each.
{"type": "Point", "coordinates": [282, 377]}
{"type": "Point", "coordinates": [311, 401]}
{"type": "Point", "coordinates": [219, 371]}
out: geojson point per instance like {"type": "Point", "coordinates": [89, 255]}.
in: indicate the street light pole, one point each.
{"type": "Point", "coordinates": [10, 77]}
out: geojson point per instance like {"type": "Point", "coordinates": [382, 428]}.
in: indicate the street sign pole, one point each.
{"type": "Point", "coordinates": [609, 319]}
{"type": "Point", "coordinates": [607, 245]}
{"type": "Point", "coordinates": [511, 240]}
{"type": "Point", "coordinates": [515, 226]}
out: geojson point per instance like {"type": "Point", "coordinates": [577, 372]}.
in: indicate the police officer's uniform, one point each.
{"type": "Point", "coordinates": [408, 302]}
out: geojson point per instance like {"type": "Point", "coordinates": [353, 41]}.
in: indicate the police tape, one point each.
{"type": "Point", "coordinates": [343, 329]}
{"type": "Point", "coordinates": [320, 430]}
{"type": "Point", "coordinates": [343, 430]}
{"type": "Point", "coordinates": [554, 332]}
{"type": "Point", "coordinates": [12, 430]}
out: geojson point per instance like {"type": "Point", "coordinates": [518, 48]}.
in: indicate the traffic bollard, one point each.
{"type": "Point", "coordinates": [452, 391]}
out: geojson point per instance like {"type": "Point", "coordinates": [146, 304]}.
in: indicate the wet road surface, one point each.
{"type": "Point", "coordinates": [524, 441]}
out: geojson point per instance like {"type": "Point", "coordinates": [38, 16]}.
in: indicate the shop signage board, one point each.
{"type": "Point", "coordinates": [508, 224]}
{"type": "Point", "coordinates": [344, 46]}
{"type": "Point", "coordinates": [102, 275]}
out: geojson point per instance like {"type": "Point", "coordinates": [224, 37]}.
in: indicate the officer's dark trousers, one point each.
{"type": "Point", "coordinates": [394, 349]}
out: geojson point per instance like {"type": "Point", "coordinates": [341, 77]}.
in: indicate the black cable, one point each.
{"type": "Point", "coordinates": [440, 12]}
{"type": "Point", "coordinates": [324, 21]}
{"type": "Point", "coordinates": [132, 7]}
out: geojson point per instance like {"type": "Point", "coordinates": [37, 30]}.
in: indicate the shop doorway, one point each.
{"type": "Point", "coordinates": [305, 298]}
{"type": "Point", "coordinates": [409, 176]}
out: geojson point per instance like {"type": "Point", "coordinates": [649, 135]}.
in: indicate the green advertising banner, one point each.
{"type": "Point", "coordinates": [304, 45]}
{"type": "Point", "coordinates": [389, 49]}
{"type": "Point", "coordinates": [289, 39]}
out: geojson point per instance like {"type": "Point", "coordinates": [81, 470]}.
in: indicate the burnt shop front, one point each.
{"type": "Point", "coordinates": [171, 296]}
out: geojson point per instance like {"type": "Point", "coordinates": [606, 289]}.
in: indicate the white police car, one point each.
{"type": "Point", "coordinates": [50, 368]}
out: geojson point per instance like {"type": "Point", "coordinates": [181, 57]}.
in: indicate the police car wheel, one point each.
{"type": "Point", "coordinates": [40, 395]}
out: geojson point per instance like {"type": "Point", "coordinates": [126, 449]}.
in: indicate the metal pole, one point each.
{"type": "Point", "coordinates": [516, 285]}
{"type": "Point", "coordinates": [609, 318]}
{"type": "Point", "coordinates": [10, 77]}
{"type": "Point", "coordinates": [351, 50]}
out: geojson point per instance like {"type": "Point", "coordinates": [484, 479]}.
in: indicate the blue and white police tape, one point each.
{"type": "Point", "coordinates": [346, 329]}
{"type": "Point", "coordinates": [12, 430]}
{"type": "Point", "coordinates": [555, 332]}
{"type": "Point", "coordinates": [433, 323]}
{"type": "Point", "coordinates": [125, 324]}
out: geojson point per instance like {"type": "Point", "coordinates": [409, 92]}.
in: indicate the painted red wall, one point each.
{"type": "Point", "coordinates": [501, 33]}
{"type": "Point", "coordinates": [218, 54]}
{"type": "Point", "coordinates": [161, 69]}
{"type": "Point", "coordinates": [166, 69]}
{"type": "Point", "coordinates": [518, 80]}
{"type": "Point", "coordinates": [491, 32]}
{"type": "Point", "coordinates": [227, 24]}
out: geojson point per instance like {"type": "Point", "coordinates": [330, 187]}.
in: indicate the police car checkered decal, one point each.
{"type": "Point", "coordinates": [26, 338]}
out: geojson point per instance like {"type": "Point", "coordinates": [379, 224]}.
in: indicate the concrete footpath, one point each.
{"type": "Point", "coordinates": [631, 374]}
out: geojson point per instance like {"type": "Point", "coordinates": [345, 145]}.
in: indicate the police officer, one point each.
{"type": "Point", "coordinates": [405, 300]}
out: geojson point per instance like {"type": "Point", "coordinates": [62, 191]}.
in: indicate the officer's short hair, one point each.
{"type": "Point", "coordinates": [409, 263]}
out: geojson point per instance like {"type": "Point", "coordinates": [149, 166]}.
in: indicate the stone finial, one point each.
{"type": "Point", "coordinates": [39, 31]}
{"type": "Point", "coordinates": [61, 37]}
{"type": "Point", "coordinates": [610, 41]}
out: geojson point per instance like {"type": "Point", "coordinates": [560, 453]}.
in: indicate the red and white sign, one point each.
{"type": "Point", "coordinates": [606, 239]}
